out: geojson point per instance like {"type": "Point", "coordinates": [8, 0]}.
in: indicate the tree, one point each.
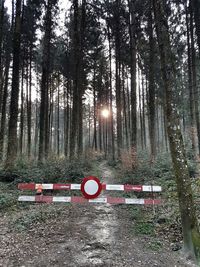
{"type": "Point", "coordinates": [75, 107]}
{"type": "Point", "coordinates": [196, 8]}
{"type": "Point", "coordinates": [12, 129]}
{"type": "Point", "coordinates": [44, 104]}
{"type": "Point", "coordinates": [2, 11]}
{"type": "Point", "coordinates": [190, 82]}
{"type": "Point", "coordinates": [194, 75]}
{"type": "Point", "coordinates": [151, 100]}
{"type": "Point", "coordinates": [190, 228]}
{"type": "Point", "coordinates": [132, 33]}
{"type": "Point", "coordinates": [8, 45]}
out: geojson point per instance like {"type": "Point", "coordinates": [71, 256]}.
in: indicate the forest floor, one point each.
{"type": "Point", "coordinates": [76, 235]}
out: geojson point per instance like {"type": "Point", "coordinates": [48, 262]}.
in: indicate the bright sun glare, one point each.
{"type": "Point", "coordinates": [105, 113]}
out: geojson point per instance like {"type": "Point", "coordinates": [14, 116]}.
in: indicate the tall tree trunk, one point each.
{"type": "Point", "coordinates": [95, 110]}
{"type": "Point", "coordinates": [29, 105]}
{"type": "Point", "coordinates": [36, 127]}
{"type": "Point", "coordinates": [140, 112]}
{"type": "Point", "coordinates": [132, 30]}
{"type": "Point", "coordinates": [81, 78]}
{"type": "Point", "coordinates": [58, 118]}
{"type": "Point", "coordinates": [75, 106]}
{"type": "Point", "coordinates": [12, 128]}
{"type": "Point", "coordinates": [190, 83]}
{"type": "Point", "coordinates": [22, 113]}
{"type": "Point", "coordinates": [89, 127]}
{"type": "Point", "coordinates": [44, 84]}
{"type": "Point", "coordinates": [1, 27]}
{"type": "Point", "coordinates": [158, 127]}
{"type": "Point", "coordinates": [5, 96]}
{"type": "Point", "coordinates": [118, 104]}
{"type": "Point", "coordinates": [124, 109]}
{"type": "Point", "coordinates": [151, 85]}
{"type": "Point", "coordinates": [1, 38]}
{"type": "Point", "coordinates": [191, 235]}
{"type": "Point", "coordinates": [194, 78]}
{"type": "Point", "coordinates": [196, 8]}
{"type": "Point", "coordinates": [111, 125]}
{"type": "Point", "coordinates": [143, 112]}
{"type": "Point", "coordinates": [118, 80]}
{"type": "Point", "coordinates": [66, 117]}
{"type": "Point", "coordinates": [100, 104]}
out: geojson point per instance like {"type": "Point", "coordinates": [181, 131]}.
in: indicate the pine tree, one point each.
{"type": "Point", "coordinates": [12, 131]}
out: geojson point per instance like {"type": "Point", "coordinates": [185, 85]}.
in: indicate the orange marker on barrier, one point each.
{"type": "Point", "coordinates": [39, 189]}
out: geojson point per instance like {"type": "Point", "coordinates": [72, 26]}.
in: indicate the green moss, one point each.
{"type": "Point", "coordinates": [196, 244]}
{"type": "Point", "coordinates": [154, 245]}
{"type": "Point", "coordinates": [145, 228]}
{"type": "Point", "coordinates": [7, 201]}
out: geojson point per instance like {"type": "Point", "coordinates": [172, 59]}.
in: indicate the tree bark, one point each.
{"type": "Point", "coordinates": [190, 83]}
{"type": "Point", "coordinates": [58, 118]}
{"type": "Point", "coordinates": [196, 8]}
{"type": "Point", "coordinates": [66, 117]}
{"type": "Point", "coordinates": [1, 38]}
{"type": "Point", "coordinates": [132, 30]}
{"type": "Point", "coordinates": [111, 124]}
{"type": "Point", "coordinates": [22, 112]}
{"type": "Point", "coordinates": [143, 112]}
{"type": "Point", "coordinates": [194, 78]}
{"type": "Point", "coordinates": [29, 103]}
{"type": "Point", "coordinates": [95, 110]}
{"type": "Point", "coordinates": [4, 102]}
{"type": "Point", "coordinates": [81, 77]}
{"type": "Point", "coordinates": [151, 102]}
{"type": "Point", "coordinates": [75, 106]}
{"type": "Point", "coordinates": [43, 142]}
{"type": "Point", "coordinates": [12, 128]}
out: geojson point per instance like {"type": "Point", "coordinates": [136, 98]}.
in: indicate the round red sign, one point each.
{"type": "Point", "coordinates": [91, 187]}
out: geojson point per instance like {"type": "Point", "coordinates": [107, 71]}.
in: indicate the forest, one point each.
{"type": "Point", "coordinates": [113, 81]}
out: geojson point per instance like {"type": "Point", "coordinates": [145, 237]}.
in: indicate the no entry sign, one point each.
{"type": "Point", "coordinates": [91, 187]}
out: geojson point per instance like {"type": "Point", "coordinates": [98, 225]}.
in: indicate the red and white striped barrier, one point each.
{"type": "Point", "coordinates": [91, 188]}
{"type": "Point", "coordinates": [109, 187]}
{"type": "Point", "coordinates": [75, 199]}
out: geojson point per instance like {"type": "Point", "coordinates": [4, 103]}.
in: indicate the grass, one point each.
{"type": "Point", "coordinates": [144, 228]}
{"type": "Point", "coordinates": [154, 245]}
{"type": "Point", "coordinates": [7, 201]}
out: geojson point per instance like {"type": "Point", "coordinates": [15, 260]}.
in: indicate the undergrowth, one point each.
{"type": "Point", "coordinates": [26, 220]}
{"type": "Point", "coordinates": [164, 221]}
{"type": "Point", "coordinates": [54, 170]}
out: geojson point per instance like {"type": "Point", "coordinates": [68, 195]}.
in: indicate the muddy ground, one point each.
{"type": "Point", "coordinates": [82, 235]}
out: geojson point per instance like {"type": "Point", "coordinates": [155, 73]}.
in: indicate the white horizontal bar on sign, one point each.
{"type": "Point", "coordinates": [75, 186]}
{"type": "Point", "coordinates": [98, 200]}
{"type": "Point", "coordinates": [116, 187]}
{"type": "Point", "coordinates": [151, 188]}
{"type": "Point", "coordinates": [134, 201]}
{"type": "Point", "coordinates": [26, 198]}
{"type": "Point", "coordinates": [61, 199]}
{"type": "Point", "coordinates": [81, 200]}
{"type": "Point", "coordinates": [46, 186]}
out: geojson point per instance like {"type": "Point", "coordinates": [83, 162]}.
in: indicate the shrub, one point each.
{"type": "Point", "coordinates": [144, 228]}
{"type": "Point", "coordinates": [6, 201]}
{"type": "Point", "coordinates": [129, 159]}
{"type": "Point", "coordinates": [52, 171]}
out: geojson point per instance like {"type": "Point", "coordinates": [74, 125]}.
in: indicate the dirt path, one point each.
{"type": "Point", "coordinates": [83, 235]}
